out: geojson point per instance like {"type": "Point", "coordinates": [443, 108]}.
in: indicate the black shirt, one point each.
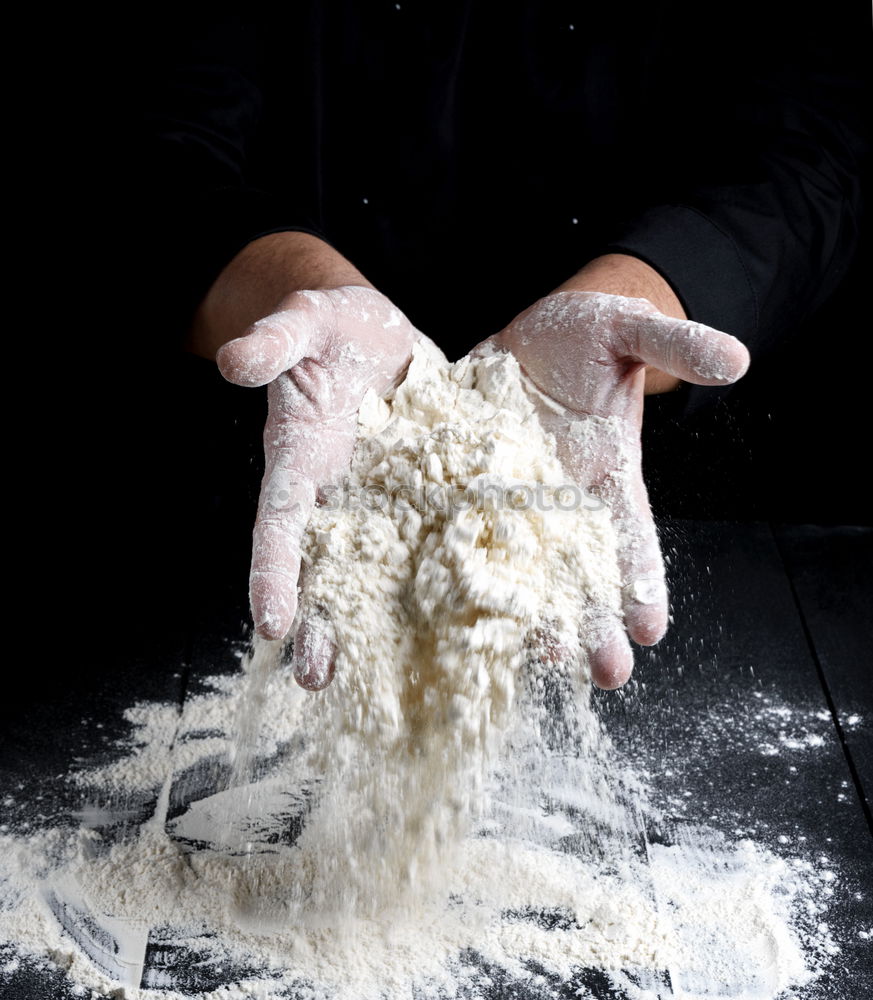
{"type": "Point", "coordinates": [468, 157]}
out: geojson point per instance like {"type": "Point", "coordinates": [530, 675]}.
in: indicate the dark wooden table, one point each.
{"type": "Point", "coordinates": [755, 715]}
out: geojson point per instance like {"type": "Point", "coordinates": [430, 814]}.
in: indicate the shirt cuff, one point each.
{"type": "Point", "coordinates": [701, 262]}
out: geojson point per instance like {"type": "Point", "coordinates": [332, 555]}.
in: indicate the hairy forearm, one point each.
{"type": "Point", "coordinates": [267, 270]}
{"type": "Point", "coordinates": [262, 274]}
{"type": "Point", "coordinates": [621, 274]}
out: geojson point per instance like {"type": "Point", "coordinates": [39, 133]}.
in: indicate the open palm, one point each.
{"type": "Point", "coordinates": [585, 353]}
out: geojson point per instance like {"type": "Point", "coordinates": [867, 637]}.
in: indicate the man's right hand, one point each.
{"type": "Point", "coordinates": [292, 313]}
{"type": "Point", "coordinates": [319, 353]}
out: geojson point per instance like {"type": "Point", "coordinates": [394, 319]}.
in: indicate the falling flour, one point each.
{"type": "Point", "coordinates": [446, 570]}
{"type": "Point", "coordinates": [447, 818]}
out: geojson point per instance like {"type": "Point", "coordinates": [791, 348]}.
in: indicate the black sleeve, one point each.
{"type": "Point", "coordinates": [763, 121]}
{"type": "Point", "coordinates": [201, 88]}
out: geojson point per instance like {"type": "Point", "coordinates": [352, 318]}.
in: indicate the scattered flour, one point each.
{"type": "Point", "coordinates": [447, 819]}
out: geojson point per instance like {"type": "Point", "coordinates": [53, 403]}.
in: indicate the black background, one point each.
{"type": "Point", "coordinates": [137, 467]}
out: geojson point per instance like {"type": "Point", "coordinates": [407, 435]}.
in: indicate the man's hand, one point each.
{"type": "Point", "coordinates": [586, 352]}
{"type": "Point", "coordinates": [319, 352]}
{"type": "Point", "coordinates": [291, 313]}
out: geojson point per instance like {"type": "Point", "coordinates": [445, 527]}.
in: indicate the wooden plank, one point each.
{"type": "Point", "coordinates": [76, 718]}
{"type": "Point", "coordinates": [831, 571]}
{"type": "Point", "coordinates": [74, 721]}
{"type": "Point", "coordinates": [728, 718]}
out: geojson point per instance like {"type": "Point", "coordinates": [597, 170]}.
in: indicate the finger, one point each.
{"type": "Point", "coordinates": [268, 348]}
{"type": "Point", "coordinates": [314, 657]}
{"type": "Point", "coordinates": [610, 658]}
{"type": "Point", "coordinates": [645, 603]}
{"type": "Point", "coordinates": [612, 460]}
{"type": "Point", "coordinates": [284, 510]}
{"type": "Point", "coordinates": [646, 608]}
{"type": "Point", "coordinates": [276, 561]}
{"type": "Point", "coordinates": [691, 351]}
{"type": "Point", "coordinates": [301, 456]}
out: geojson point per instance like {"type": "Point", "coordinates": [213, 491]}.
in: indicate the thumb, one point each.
{"type": "Point", "coordinates": [268, 348]}
{"type": "Point", "coordinates": [691, 351]}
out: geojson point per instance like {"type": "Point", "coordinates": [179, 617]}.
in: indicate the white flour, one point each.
{"type": "Point", "coordinates": [444, 559]}
{"type": "Point", "coordinates": [446, 819]}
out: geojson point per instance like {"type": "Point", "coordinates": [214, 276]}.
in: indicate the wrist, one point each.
{"type": "Point", "coordinates": [263, 274]}
{"type": "Point", "coordinates": [622, 274]}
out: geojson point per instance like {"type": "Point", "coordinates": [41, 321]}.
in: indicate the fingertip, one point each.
{"type": "Point", "coordinates": [646, 611]}
{"type": "Point", "coordinates": [611, 664]}
{"type": "Point", "coordinates": [271, 628]}
{"type": "Point", "coordinates": [232, 361]}
{"type": "Point", "coordinates": [735, 358]}
{"type": "Point", "coordinates": [643, 630]}
{"type": "Point", "coordinates": [720, 359]}
{"type": "Point", "coordinates": [268, 348]}
{"type": "Point", "coordinates": [272, 608]}
{"type": "Point", "coordinates": [743, 360]}
{"type": "Point", "coordinates": [314, 657]}
{"type": "Point", "coordinates": [250, 361]}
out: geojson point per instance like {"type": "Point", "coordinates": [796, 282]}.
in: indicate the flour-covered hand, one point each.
{"type": "Point", "coordinates": [586, 353]}
{"type": "Point", "coordinates": [318, 353]}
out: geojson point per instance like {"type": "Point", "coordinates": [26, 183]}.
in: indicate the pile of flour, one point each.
{"type": "Point", "coordinates": [447, 818]}
{"type": "Point", "coordinates": [545, 888]}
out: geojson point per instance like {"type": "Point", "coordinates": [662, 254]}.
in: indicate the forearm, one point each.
{"type": "Point", "coordinates": [258, 278]}
{"type": "Point", "coordinates": [621, 274]}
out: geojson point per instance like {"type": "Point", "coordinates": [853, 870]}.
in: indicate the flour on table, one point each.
{"type": "Point", "coordinates": [447, 819]}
